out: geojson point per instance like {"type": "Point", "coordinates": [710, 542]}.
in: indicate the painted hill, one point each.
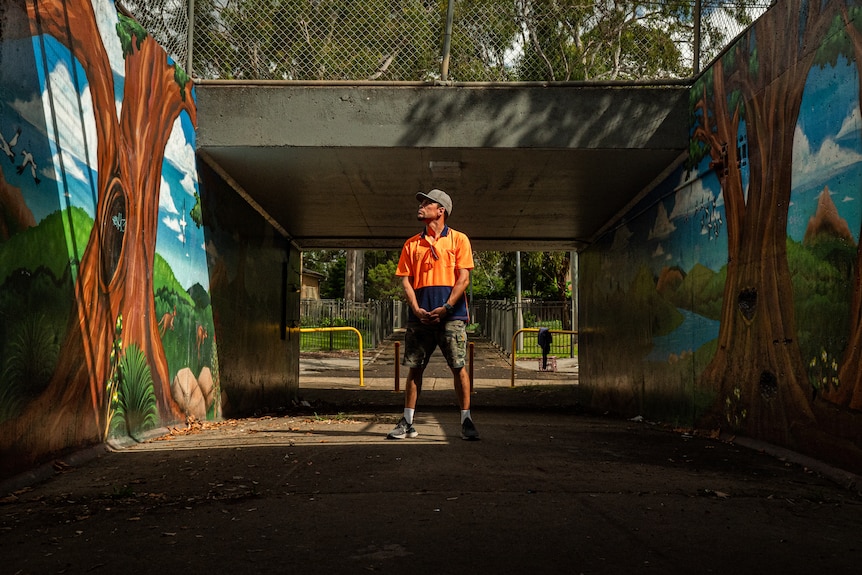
{"type": "Point", "coordinates": [669, 280]}
{"type": "Point", "coordinates": [15, 216]}
{"type": "Point", "coordinates": [826, 223]}
{"type": "Point", "coordinates": [700, 290]}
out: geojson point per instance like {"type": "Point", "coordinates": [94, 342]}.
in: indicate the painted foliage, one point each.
{"type": "Point", "coordinates": [107, 323]}
{"type": "Point", "coordinates": [734, 286]}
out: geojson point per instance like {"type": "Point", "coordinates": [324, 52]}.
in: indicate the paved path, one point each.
{"type": "Point", "coordinates": [491, 368]}
{"type": "Point", "coordinates": [548, 489]}
{"type": "Point", "coordinates": [542, 492]}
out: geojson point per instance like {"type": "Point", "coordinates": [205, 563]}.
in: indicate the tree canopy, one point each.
{"type": "Point", "coordinates": [492, 40]}
{"type": "Point", "coordinates": [544, 275]}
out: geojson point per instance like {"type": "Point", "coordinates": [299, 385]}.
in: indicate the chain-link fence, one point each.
{"type": "Point", "coordinates": [449, 40]}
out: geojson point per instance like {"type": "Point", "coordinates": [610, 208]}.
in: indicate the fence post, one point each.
{"type": "Point", "coordinates": [471, 367]}
{"type": "Point", "coordinates": [190, 38]}
{"type": "Point", "coordinates": [447, 41]}
{"type": "Point", "coordinates": [330, 325]}
{"type": "Point", "coordinates": [695, 65]}
{"type": "Point", "coordinates": [397, 367]}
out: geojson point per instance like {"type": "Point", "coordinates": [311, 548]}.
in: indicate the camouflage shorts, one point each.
{"type": "Point", "coordinates": [421, 340]}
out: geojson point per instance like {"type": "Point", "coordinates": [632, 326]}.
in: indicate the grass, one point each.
{"type": "Point", "coordinates": [534, 351]}
{"type": "Point", "coordinates": [347, 341]}
{"type": "Point", "coordinates": [330, 341]}
{"type": "Point", "coordinates": [560, 346]}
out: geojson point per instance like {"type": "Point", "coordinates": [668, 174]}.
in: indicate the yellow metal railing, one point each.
{"type": "Point", "coordinates": [530, 329]}
{"type": "Point", "coordinates": [343, 328]}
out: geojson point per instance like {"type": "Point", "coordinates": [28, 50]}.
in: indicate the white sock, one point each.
{"type": "Point", "coordinates": [465, 413]}
{"type": "Point", "coordinates": [408, 415]}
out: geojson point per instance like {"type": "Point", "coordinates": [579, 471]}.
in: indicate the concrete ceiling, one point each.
{"type": "Point", "coordinates": [529, 168]}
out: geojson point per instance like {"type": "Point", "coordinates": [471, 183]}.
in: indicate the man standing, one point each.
{"type": "Point", "coordinates": [435, 269]}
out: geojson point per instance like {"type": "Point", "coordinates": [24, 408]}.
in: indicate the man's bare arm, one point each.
{"type": "Point", "coordinates": [461, 282]}
{"type": "Point", "coordinates": [421, 314]}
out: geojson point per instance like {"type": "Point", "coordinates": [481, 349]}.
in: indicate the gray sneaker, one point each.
{"type": "Point", "coordinates": [402, 430]}
{"type": "Point", "coordinates": [468, 430]}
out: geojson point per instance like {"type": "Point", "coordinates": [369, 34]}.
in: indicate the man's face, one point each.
{"type": "Point", "coordinates": [428, 210]}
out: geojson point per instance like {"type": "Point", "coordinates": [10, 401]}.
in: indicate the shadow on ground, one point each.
{"type": "Point", "coordinates": [317, 488]}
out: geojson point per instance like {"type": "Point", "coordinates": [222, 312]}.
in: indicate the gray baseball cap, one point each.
{"type": "Point", "coordinates": [438, 196]}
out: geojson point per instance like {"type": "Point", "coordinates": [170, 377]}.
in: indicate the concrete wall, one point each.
{"type": "Point", "coordinates": [115, 282]}
{"type": "Point", "coordinates": [255, 277]}
{"type": "Point", "coordinates": [728, 298]}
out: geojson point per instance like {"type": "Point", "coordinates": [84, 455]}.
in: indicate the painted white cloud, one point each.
{"type": "Point", "coordinates": [693, 197]}
{"type": "Point", "coordinates": [75, 121]}
{"type": "Point", "coordinates": [851, 124]}
{"type": "Point", "coordinates": [73, 169]}
{"type": "Point", "coordinates": [810, 167]}
{"type": "Point", "coordinates": [30, 110]}
{"type": "Point", "coordinates": [621, 238]}
{"type": "Point", "coordinates": [166, 201]}
{"type": "Point", "coordinates": [73, 112]}
{"type": "Point", "coordinates": [188, 183]}
{"type": "Point", "coordinates": [33, 110]}
{"type": "Point", "coordinates": [173, 224]}
{"type": "Point", "coordinates": [662, 227]}
{"type": "Point", "coordinates": [181, 154]}
{"type": "Point", "coordinates": [106, 20]}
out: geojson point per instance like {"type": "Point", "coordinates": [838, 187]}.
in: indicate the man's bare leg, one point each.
{"type": "Point", "coordinates": [462, 390]}
{"type": "Point", "coordinates": [404, 428]}
{"type": "Point", "coordinates": [413, 387]}
{"type": "Point", "coordinates": [461, 380]}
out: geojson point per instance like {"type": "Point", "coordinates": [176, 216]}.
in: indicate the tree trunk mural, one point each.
{"type": "Point", "coordinates": [758, 370]}
{"type": "Point", "coordinates": [115, 273]}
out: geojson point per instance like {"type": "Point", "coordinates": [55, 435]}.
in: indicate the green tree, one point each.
{"type": "Point", "coordinates": [544, 275]}
{"type": "Point", "coordinates": [610, 40]}
{"type": "Point", "coordinates": [487, 281]}
{"type": "Point", "coordinates": [381, 281]}
{"type": "Point", "coordinates": [500, 40]}
{"type": "Point", "coordinates": [562, 40]}
{"type": "Point", "coordinates": [316, 39]}
{"type": "Point", "coordinates": [330, 263]}
{"type": "Point", "coordinates": [483, 33]}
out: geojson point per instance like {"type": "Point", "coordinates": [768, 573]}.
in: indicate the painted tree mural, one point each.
{"type": "Point", "coordinates": [847, 41]}
{"type": "Point", "coordinates": [757, 370]}
{"type": "Point", "coordinates": [115, 280]}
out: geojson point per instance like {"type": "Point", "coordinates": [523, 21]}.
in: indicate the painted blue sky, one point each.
{"type": "Point", "coordinates": [827, 150]}
{"type": "Point", "coordinates": [56, 116]}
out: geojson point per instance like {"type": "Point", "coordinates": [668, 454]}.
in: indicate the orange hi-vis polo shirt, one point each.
{"type": "Point", "coordinates": [432, 268]}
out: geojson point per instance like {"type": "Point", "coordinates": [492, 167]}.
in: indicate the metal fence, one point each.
{"type": "Point", "coordinates": [444, 40]}
{"type": "Point", "coordinates": [375, 320]}
{"type": "Point", "coordinates": [499, 320]}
